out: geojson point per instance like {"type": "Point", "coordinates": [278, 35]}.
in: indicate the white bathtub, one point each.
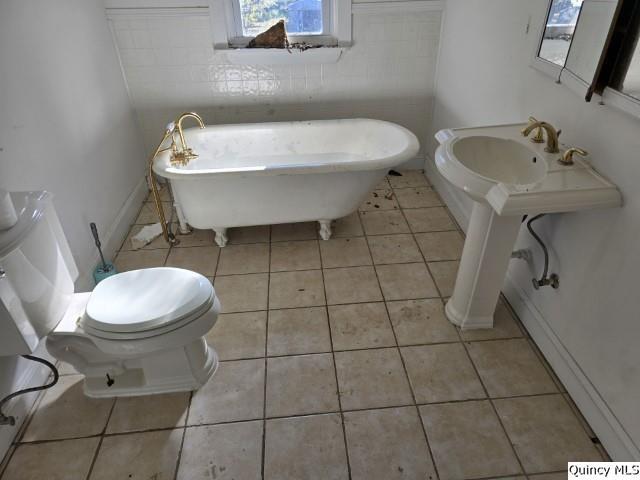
{"type": "Point", "coordinates": [269, 173]}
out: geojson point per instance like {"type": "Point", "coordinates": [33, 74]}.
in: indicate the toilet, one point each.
{"type": "Point", "coordinates": [138, 332]}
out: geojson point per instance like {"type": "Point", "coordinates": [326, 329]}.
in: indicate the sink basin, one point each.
{"type": "Point", "coordinates": [507, 176]}
{"type": "Point", "coordinates": [500, 160]}
{"type": "Point", "coordinates": [499, 167]}
{"type": "Point", "coordinates": [477, 163]}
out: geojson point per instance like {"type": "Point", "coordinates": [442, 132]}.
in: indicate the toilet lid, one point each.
{"type": "Point", "coordinates": [146, 299]}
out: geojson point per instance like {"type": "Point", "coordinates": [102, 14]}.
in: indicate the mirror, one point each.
{"type": "Point", "coordinates": [590, 37]}
{"type": "Point", "coordinates": [593, 47]}
{"type": "Point", "coordinates": [559, 30]}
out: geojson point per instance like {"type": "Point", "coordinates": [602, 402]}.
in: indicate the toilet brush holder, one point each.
{"type": "Point", "coordinates": [105, 269]}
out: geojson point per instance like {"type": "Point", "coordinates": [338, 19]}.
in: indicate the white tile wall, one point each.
{"type": "Point", "coordinates": [389, 73]}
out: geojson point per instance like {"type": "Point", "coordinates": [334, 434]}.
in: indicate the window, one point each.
{"type": "Point", "coordinates": [302, 17]}
{"type": "Point", "coordinates": [319, 22]}
{"type": "Point", "coordinates": [602, 52]}
{"type": "Point", "coordinates": [558, 33]}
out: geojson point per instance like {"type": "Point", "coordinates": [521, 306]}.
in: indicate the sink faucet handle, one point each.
{"type": "Point", "coordinates": [538, 137]}
{"type": "Point", "coordinates": [567, 157]}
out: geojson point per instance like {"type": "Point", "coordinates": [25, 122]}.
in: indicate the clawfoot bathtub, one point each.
{"type": "Point", "coordinates": [269, 173]}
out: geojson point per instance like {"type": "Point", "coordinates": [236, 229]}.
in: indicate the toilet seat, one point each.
{"type": "Point", "coordinates": [144, 303]}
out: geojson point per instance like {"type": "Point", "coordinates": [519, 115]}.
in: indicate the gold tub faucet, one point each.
{"type": "Point", "coordinates": [552, 134]}
{"type": "Point", "coordinates": [180, 156]}
{"type": "Point", "coordinates": [183, 154]}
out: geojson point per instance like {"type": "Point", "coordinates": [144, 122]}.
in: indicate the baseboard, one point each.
{"type": "Point", "coordinates": [33, 374]}
{"type": "Point", "coordinates": [592, 406]}
{"type": "Point", "coordinates": [447, 192]}
{"type": "Point", "coordinates": [113, 237]}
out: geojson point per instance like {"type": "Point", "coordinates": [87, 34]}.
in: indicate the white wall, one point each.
{"type": "Point", "coordinates": [170, 67]}
{"type": "Point", "coordinates": [592, 322]}
{"type": "Point", "coordinates": [67, 126]}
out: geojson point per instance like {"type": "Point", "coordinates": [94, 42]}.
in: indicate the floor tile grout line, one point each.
{"type": "Point", "coordinates": [191, 393]}
{"type": "Point", "coordinates": [335, 366]}
{"type": "Point", "coordinates": [494, 410]}
{"type": "Point", "coordinates": [443, 205]}
{"type": "Point", "coordinates": [94, 458]}
{"type": "Point", "coordinates": [265, 379]}
{"type": "Point", "coordinates": [486, 392]}
{"type": "Point", "coordinates": [131, 226]}
{"type": "Point", "coordinates": [29, 417]}
{"type": "Point", "coordinates": [258, 272]}
{"type": "Point", "coordinates": [342, 267]}
{"type": "Point", "coordinates": [271, 270]}
{"type": "Point", "coordinates": [6, 460]}
{"type": "Point", "coordinates": [184, 436]}
{"type": "Point", "coordinates": [101, 436]}
{"type": "Point", "coordinates": [554, 377]}
{"type": "Point", "coordinates": [584, 424]}
{"type": "Point", "coordinates": [531, 345]}
{"type": "Point", "coordinates": [404, 368]}
{"type": "Point", "coordinates": [279, 417]}
{"type": "Point", "coordinates": [426, 263]}
{"type": "Point", "coordinates": [514, 316]}
{"type": "Point", "coordinates": [334, 304]}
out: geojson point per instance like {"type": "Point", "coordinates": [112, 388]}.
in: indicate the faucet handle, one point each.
{"type": "Point", "coordinates": [538, 137]}
{"type": "Point", "coordinates": [567, 157]}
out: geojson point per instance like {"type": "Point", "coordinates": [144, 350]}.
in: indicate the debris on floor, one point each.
{"type": "Point", "coordinates": [394, 173]}
{"type": "Point", "coordinates": [146, 235]}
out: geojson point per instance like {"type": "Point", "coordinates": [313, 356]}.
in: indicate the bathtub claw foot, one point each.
{"type": "Point", "coordinates": [221, 236]}
{"type": "Point", "coordinates": [325, 229]}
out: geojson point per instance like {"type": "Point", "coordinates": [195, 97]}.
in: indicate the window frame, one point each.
{"type": "Point", "coordinates": [226, 23]}
{"type": "Point", "coordinates": [543, 65]}
{"type": "Point", "coordinates": [606, 78]}
{"type": "Point", "coordinates": [616, 56]}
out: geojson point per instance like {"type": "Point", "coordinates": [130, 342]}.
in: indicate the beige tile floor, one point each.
{"type": "Point", "coordinates": [337, 362]}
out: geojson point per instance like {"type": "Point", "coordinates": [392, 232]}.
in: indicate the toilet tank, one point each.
{"type": "Point", "coordinates": [37, 274]}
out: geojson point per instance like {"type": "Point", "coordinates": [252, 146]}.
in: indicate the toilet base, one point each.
{"type": "Point", "coordinates": [178, 361]}
{"type": "Point", "coordinates": [179, 370]}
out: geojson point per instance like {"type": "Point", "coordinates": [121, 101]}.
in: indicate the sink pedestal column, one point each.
{"type": "Point", "coordinates": [485, 258]}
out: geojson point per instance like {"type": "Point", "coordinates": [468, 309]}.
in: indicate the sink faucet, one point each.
{"type": "Point", "coordinates": [552, 134]}
{"type": "Point", "coordinates": [183, 154]}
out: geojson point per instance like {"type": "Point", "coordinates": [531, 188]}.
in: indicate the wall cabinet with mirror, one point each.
{"type": "Point", "coordinates": [592, 46]}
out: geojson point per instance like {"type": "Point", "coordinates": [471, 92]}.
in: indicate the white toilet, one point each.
{"type": "Point", "coordinates": [137, 333]}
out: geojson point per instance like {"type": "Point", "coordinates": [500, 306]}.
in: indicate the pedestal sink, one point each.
{"type": "Point", "coordinates": [507, 176]}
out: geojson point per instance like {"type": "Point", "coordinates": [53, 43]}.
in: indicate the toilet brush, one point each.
{"type": "Point", "coordinates": [105, 269]}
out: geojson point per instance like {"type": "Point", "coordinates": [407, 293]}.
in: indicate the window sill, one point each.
{"type": "Point", "coordinates": [281, 56]}
{"type": "Point", "coordinates": [550, 69]}
{"type": "Point", "coordinates": [620, 101]}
